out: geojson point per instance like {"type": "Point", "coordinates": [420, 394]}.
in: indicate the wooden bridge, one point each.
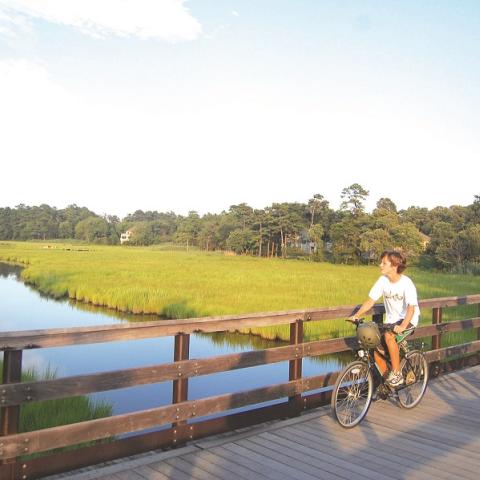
{"type": "Point", "coordinates": [306, 436]}
{"type": "Point", "coordinates": [438, 439]}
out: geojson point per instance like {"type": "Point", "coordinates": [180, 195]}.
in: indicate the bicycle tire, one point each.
{"type": "Point", "coordinates": [414, 368]}
{"type": "Point", "coordinates": [352, 394]}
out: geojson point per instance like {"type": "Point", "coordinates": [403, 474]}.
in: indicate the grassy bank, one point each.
{"type": "Point", "coordinates": [179, 284]}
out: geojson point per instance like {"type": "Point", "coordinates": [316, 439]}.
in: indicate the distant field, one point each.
{"type": "Point", "coordinates": [179, 284]}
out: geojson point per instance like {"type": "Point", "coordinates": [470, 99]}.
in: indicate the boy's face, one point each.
{"type": "Point", "coordinates": [386, 266]}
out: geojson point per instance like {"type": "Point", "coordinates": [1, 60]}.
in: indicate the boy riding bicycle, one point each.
{"type": "Point", "coordinates": [401, 306]}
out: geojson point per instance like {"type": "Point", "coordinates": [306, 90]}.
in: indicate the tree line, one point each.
{"type": "Point", "coordinates": [443, 237]}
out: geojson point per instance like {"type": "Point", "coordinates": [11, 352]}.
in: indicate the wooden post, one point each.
{"type": "Point", "coordinates": [436, 318]}
{"type": "Point", "coordinates": [180, 386]}
{"type": "Point", "coordinates": [295, 366]}
{"type": "Point", "coordinates": [10, 416]}
{"type": "Point", "coordinates": [182, 351]}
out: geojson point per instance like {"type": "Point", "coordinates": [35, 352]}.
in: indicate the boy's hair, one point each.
{"type": "Point", "coordinates": [397, 259]}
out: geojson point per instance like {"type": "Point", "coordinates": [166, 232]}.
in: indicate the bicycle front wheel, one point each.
{"type": "Point", "coordinates": [352, 394]}
{"type": "Point", "coordinates": [414, 369]}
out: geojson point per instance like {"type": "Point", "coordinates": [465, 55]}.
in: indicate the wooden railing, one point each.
{"type": "Point", "coordinates": [181, 416]}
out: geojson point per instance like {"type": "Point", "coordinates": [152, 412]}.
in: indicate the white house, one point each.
{"type": "Point", "coordinates": [125, 237]}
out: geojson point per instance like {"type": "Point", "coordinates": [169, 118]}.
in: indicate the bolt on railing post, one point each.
{"type": "Point", "coordinates": [10, 416]}
{"type": "Point", "coordinates": [180, 386]}
{"type": "Point", "coordinates": [295, 366]}
{"type": "Point", "coordinates": [436, 318]}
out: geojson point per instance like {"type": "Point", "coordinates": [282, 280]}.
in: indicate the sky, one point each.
{"type": "Point", "coordinates": [173, 105]}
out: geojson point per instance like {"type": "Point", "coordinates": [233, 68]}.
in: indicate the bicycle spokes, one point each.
{"type": "Point", "coordinates": [352, 394]}
{"type": "Point", "coordinates": [415, 372]}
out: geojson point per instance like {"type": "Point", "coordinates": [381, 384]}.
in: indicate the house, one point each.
{"type": "Point", "coordinates": [125, 237]}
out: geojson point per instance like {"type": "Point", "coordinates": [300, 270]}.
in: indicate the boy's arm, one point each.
{"type": "Point", "coordinates": [366, 306]}
{"type": "Point", "coordinates": [400, 328]}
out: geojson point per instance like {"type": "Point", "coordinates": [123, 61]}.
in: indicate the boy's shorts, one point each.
{"type": "Point", "coordinates": [399, 338]}
{"type": "Point", "coordinates": [408, 331]}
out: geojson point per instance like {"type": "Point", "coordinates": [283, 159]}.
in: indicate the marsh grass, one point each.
{"type": "Point", "coordinates": [63, 411]}
{"type": "Point", "coordinates": [179, 284]}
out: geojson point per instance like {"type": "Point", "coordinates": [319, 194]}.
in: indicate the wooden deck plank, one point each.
{"type": "Point", "coordinates": [385, 439]}
{"type": "Point", "coordinates": [223, 463]}
{"type": "Point", "coordinates": [266, 466]}
{"type": "Point", "coordinates": [463, 384]}
{"type": "Point", "coordinates": [456, 387]}
{"type": "Point", "coordinates": [149, 474]}
{"type": "Point", "coordinates": [195, 471]}
{"type": "Point", "coordinates": [129, 475]}
{"type": "Point", "coordinates": [257, 468]}
{"type": "Point", "coordinates": [319, 461]}
{"type": "Point", "coordinates": [170, 471]}
{"type": "Point", "coordinates": [446, 419]}
{"type": "Point", "coordinates": [302, 463]}
{"type": "Point", "coordinates": [461, 407]}
{"type": "Point", "coordinates": [312, 463]}
{"type": "Point", "coordinates": [449, 401]}
{"type": "Point", "coordinates": [378, 454]}
{"type": "Point", "coordinates": [427, 430]}
{"type": "Point", "coordinates": [462, 411]}
{"type": "Point", "coordinates": [290, 440]}
{"type": "Point", "coordinates": [432, 406]}
{"type": "Point", "coordinates": [216, 466]}
{"type": "Point", "coordinates": [360, 458]}
{"type": "Point", "coordinates": [381, 442]}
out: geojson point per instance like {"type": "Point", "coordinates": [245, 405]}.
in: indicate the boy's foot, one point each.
{"type": "Point", "coordinates": [394, 379]}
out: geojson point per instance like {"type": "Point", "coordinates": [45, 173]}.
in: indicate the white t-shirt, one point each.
{"type": "Point", "coordinates": [396, 297]}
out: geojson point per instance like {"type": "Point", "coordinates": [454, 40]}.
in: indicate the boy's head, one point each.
{"type": "Point", "coordinates": [396, 259]}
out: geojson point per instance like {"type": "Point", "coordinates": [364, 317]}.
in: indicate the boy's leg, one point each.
{"type": "Point", "coordinates": [393, 350]}
{"type": "Point", "coordinates": [380, 361]}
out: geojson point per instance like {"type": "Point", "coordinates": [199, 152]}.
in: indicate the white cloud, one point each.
{"type": "Point", "coordinates": [12, 25]}
{"type": "Point", "coordinates": [166, 20]}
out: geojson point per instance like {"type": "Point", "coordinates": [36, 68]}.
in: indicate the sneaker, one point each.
{"type": "Point", "coordinates": [394, 379]}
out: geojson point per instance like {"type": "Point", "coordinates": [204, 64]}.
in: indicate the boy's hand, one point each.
{"type": "Point", "coordinates": [398, 329]}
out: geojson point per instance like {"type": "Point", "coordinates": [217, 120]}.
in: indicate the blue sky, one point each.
{"type": "Point", "coordinates": [171, 105]}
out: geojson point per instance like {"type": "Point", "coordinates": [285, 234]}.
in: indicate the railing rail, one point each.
{"type": "Point", "coordinates": [58, 337]}
{"type": "Point", "coordinates": [182, 414]}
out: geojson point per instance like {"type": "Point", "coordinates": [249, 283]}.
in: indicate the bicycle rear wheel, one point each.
{"type": "Point", "coordinates": [352, 394]}
{"type": "Point", "coordinates": [414, 369]}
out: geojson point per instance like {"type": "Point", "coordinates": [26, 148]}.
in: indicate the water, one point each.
{"type": "Point", "coordinates": [23, 308]}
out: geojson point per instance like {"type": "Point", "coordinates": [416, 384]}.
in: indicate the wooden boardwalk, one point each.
{"type": "Point", "coordinates": [438, 439]}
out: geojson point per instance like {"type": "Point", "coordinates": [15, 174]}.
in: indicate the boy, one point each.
{"type": "Point", "coordinates": [401, 306]}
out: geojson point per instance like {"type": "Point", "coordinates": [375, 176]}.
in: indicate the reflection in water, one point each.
{"type": "Point", "coordinates": [113, 313]}
{"type": "Point", "coordinates": [7, 270]}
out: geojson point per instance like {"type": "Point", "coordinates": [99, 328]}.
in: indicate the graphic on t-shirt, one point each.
{"type": "Point", "coordinates": [393, 296]}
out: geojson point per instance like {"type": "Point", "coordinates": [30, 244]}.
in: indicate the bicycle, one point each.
{"type": "Point", "coordinates": [360, 382]}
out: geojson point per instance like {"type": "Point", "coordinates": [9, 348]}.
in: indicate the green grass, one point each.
{"type": "Point", "coordinates": [63, 411]}
{"type": "Point", "coordinates": [180, 284]}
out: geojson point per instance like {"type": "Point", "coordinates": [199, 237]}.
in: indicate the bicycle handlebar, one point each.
{"type": "Point", "coordinates": [382, 326]}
